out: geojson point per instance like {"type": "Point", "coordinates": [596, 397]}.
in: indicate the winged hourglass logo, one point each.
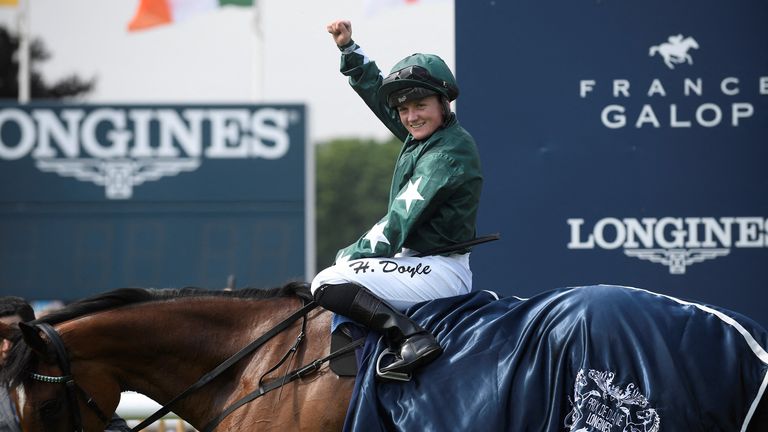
{"type": "Point", "coordinates": [674, 242]}
{"type": "Point", "coordinates": [677, 259]}
{"type": "Point", "coordinates": [118, 176]}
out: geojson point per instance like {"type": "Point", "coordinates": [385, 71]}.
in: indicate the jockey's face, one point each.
{"type": "Point", "coordinates": [422, 117]}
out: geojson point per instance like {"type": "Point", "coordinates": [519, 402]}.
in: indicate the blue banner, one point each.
{"type": "Point", "coordinates": [622, 143]}
{"type": "Point", "coordinates": [94, 198]}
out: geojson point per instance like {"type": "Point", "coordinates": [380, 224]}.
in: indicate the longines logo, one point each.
{"type": "Point", "coordinates": [120, 148]}
{"type": "Point", "coordinates": [678, 102]}
{"type": "Point", "coordinates": [671, 241]}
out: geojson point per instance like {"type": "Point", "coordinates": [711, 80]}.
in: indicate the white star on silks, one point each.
{"type": "Point", "coordinates": [376, 235]}
{"type": "Point", "coordinates": [411, 194]}
{"type": "Point", "coordinates": [344, 258]}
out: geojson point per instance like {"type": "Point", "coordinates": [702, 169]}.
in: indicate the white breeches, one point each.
{"type": "Point", "coordinates": [403, 280]}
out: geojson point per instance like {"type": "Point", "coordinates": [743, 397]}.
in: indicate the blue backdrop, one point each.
{"type": "Point", "coordinates": [94, 198]}
{"type": "Point", "coordinates": [622, 143]}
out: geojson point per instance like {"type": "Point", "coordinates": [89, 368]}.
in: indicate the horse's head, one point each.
{"type": "Point", "coordinates": [647, 414]}
{"type": "Point", "coordinates": [59, 391]}
{"type": "Point", "coordinates": [581, 379]}
{"type": "Point", "coordinates": [73, 364]}
{"type": "Point", "coordinates": [57, 396]}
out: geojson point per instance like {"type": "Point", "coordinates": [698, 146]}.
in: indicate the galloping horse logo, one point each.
{"type": "Point", "coordinates": [675, 50]}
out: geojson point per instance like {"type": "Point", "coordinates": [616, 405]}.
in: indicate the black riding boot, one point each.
{"type": "Point", "coordinates": [416, 346]}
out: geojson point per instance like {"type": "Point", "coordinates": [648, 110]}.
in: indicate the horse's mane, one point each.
{"type": "Point", "coordinates": [18, 362]}
{"type": "Point", "coordinates": [129, 296]}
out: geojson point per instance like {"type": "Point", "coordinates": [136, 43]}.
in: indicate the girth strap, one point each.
{"type": "Point", "coordinates": [205, 379]}
{"type": "Point", "coordinates": [279, 382]}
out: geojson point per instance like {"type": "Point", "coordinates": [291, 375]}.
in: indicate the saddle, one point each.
{"type": "Point", "coordinates": [345, 333]}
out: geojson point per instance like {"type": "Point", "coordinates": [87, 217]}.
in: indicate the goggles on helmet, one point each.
{"type": "Point", "coordinates": [417, 73]}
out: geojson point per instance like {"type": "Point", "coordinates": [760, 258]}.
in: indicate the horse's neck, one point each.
{"type": "Point", "coordinates": [160, 348]}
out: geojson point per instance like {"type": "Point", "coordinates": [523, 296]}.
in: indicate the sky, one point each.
{"type": "Point", "coordinates": [223, 57]}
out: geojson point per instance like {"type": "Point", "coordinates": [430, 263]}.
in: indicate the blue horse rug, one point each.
{"type": "Point", "coordinates": [599, 358]}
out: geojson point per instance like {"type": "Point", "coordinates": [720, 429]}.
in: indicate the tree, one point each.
{"type": "Point", "coordinates": [69, 86]}
{"type": "Point", "coordinates": [353, 181]}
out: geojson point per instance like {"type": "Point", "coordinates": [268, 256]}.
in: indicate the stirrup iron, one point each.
{"type": "Point", "coordinates": [390, 376]}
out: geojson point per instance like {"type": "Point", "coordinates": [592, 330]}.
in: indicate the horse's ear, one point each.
{"type": "Point", "coordinates": [34, 340]}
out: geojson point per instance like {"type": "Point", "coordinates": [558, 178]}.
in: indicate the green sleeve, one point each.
{"type": "Point", "coordinates": [365, 78]}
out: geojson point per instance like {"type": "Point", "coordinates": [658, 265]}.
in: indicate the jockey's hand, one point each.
{"type": "Point", "coordinates": [341, 30]}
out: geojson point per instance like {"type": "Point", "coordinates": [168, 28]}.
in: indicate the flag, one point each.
{"type": "Point", "coordinates": [9, 2]}
{"type": "Point", "coordinates": [151, 13]}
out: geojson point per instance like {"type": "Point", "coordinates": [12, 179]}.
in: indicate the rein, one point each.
{"type": "Point", "coordinates": [205, 379]}
{"type": "Point", "coordinates": [279, 382]}
{"type": "Point", "coordinates": [73, 389]}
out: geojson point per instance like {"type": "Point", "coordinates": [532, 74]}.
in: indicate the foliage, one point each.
{"type": "Point", "coordinates": [353, 181]}
{"type": "Point", "coordinates": [69, 86]}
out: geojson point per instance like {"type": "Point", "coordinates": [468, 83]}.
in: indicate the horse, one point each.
{"type": "Point", "coordinates": [159, 342]}
{"type": "Point", "coordinates": [675, 50]}
{"type": "Point", "coordinates": [573, 358]}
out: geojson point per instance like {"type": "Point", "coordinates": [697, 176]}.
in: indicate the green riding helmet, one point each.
{"type": "Point", "coordinates": [418, 72]}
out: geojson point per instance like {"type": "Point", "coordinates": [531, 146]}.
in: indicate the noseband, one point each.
{"type": "Point", "coordinates": [72, 388]}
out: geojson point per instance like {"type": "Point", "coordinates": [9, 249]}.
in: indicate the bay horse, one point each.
{"type": "Point", "coordinates": [159, 342]}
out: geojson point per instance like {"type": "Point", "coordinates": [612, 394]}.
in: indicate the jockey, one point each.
{"type": "Point", "coordinates": [433, 203]}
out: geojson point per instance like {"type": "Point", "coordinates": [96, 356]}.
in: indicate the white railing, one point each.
{"type": "Point", "coordinates": [134, 407]}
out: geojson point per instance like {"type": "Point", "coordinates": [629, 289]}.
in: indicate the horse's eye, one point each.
{"type": "Point", "coordinates": [50, 408]}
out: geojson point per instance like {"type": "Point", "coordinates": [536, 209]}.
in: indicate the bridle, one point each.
{"type": "Point", "coordinates": [73, 390]}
